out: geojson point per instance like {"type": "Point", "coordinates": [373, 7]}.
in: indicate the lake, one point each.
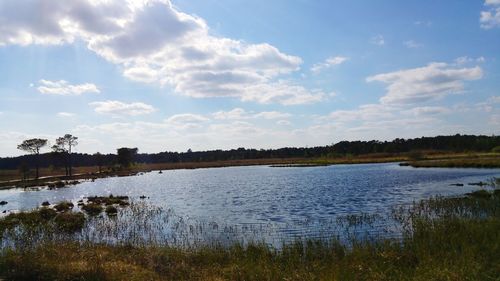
{"type": "Point", "coordinates": [268, 195]}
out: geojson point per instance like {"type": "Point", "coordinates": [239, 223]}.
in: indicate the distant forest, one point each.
{"type": "Point", "coordinates": [456, 143]}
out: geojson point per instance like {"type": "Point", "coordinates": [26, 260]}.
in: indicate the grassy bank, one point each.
{"type": "Point", "coordinates": [49, 174]}
{"type": "Point", "coordinates": [472, 161]}
{"type": "Point", "coordinates": [443, 239]}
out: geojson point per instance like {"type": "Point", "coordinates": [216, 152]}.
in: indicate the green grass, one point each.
{"type": "Point", "coordinates": [443, 239]}
{"type": "Point", "coordinates": [45, 218]}
{"type": "Point", "coordinates": [92, 209]}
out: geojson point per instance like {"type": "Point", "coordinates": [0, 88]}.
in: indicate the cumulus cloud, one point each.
{"type": "Point", "coordinates": [186, 118]}
{"type": "Point", "coordinates": [117, 108]}
{"type": "Point", "coordinates": [272, 115]}
{"type": "Point", "coordinates": [332, 61]}
{"type": "Point", "coordinates": [421, 84]}
{"type": "Point", "coordinates": [236, 113]}
{"type": "Point", "coordinates": [65, 114]}
{"type": "Point", "coordinates": [26, 22]}
{"type": "Point", "coordinates": [154, 42]}
{"type": "Point", "coordinates": [490, 18]}
{"type": "Point", "coordinates": [63, 88]}
{"type": "Point", "coordinates": [429, 110]}
{"type": "Point", "coordinates": [284, 123]}
{"type": "Point", "coordinates": [240, 114]}
{"type": "Point", "coordinates": [362, 113]}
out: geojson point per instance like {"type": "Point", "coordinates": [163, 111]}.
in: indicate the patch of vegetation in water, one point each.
{"type": "Point", "coordinates": [109, 200]}
{"type": "Point", "coordinates": [64, 206]}
{"type": "Point", "coordinates": [65, 221]}
{"type": "Point", "coordinates": [92, 209]}
{"type": "Point", "coordinates": [111, 210]}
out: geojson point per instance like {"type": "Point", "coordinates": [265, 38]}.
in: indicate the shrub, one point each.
{"type": "Point", "coordinates": [480, 194]}
{"type": "Point", "coordinates": [92, 209]}
{"type": "Point", "coordinates": [111, 210]}
{"type": "Point", "coordinates": [69, 221]}
{"type": "Point", "coordinates": [64, 206]}
{"type": "Point", "coordinates": [47, 213]}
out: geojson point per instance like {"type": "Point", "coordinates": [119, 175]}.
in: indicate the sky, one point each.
{"type": "Point", "coordinates": [219, 74]}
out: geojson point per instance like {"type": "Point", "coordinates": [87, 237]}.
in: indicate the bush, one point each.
{"type": "Point", "coordinates": [70, 221]}
{"type": "Point", "coordinates": [111, 210]}
{"type": "Point", "coordinates": [47, 214]}
{"type": "Point", "coordinates": [92, 209]}
{"type": "Point", "coordinates": [480, 194]}
{"type": "Point", "coordinates": [64, 206]}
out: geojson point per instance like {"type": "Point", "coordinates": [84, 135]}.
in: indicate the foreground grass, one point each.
{"type": "Point", "coordinates": [443, 239]}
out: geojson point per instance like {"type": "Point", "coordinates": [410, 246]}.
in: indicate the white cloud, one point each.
{"type": "Point", "coordinates": [332, 61]}
{"type": "Point", "coordinates": [272, 115]}
{"type": "Point", "coordinates": [186, 118]}
{"type": "Point", "coordinates": [429, 110]}
{"type": "Point", "coordinates": [63, 88]}
{"type": "Point", "coordinates": [412, 44]}
{"type": "Point", "coordinates": [234, 114]}
{"type": "Point", "coordinates": [494, 99]}
{"type": "Point", "coordinates": [284, 123]}
{"type": "Point", "coordinates": [362, 113]}
{"type": "Point", "coordinates": [117, 108]}
{"type": "Point", "coordinates": [425, 23]}
{"type": "Point", "coordinates": [65, 114]}
{"type": "Point", "coordinates": [421, 84]}
{"type": "Point", "coordinates": [466, 59]}
{"type": "Point", "coordinates": [241, 114]}
{"type": "Point", "coordinates": [378, 40]}
{"type": "Point", "coordinates": [154, 42]}
{"type": "Point", "coordinates": [186, 121]}
{"type": "Point", "coordinates": [490, 18]}
{"type": "Point", "coordinates": [9, 140]}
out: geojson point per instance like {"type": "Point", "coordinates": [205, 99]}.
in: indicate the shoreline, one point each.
{"type": "Point", "coordinates": [486, 161]}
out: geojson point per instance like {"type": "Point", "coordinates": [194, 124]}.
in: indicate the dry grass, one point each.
{"type": "Point", "coordinates": [470, 161]}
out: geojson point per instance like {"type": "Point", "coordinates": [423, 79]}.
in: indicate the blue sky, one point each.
{"type": "Point", "coordinates": [162, 75]}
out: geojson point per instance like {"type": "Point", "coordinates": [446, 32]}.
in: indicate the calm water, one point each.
{"type": "Point", "coordinates": [261, 194]}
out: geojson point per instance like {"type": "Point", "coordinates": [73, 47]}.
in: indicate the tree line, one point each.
{"type": "Point", "coordinates": [62, 155]}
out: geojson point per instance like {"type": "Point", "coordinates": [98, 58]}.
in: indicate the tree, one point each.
{"type": "Point", "coordinates": [126, 156]}
{"type": "Point", "coordinates": [33, 146]}
{"type": "Point", "coordinates": [24, 170]}
{"type": "Point", "coordinates": [65, 145]}
{"type": "Point", "coordinates": [99, 159]}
